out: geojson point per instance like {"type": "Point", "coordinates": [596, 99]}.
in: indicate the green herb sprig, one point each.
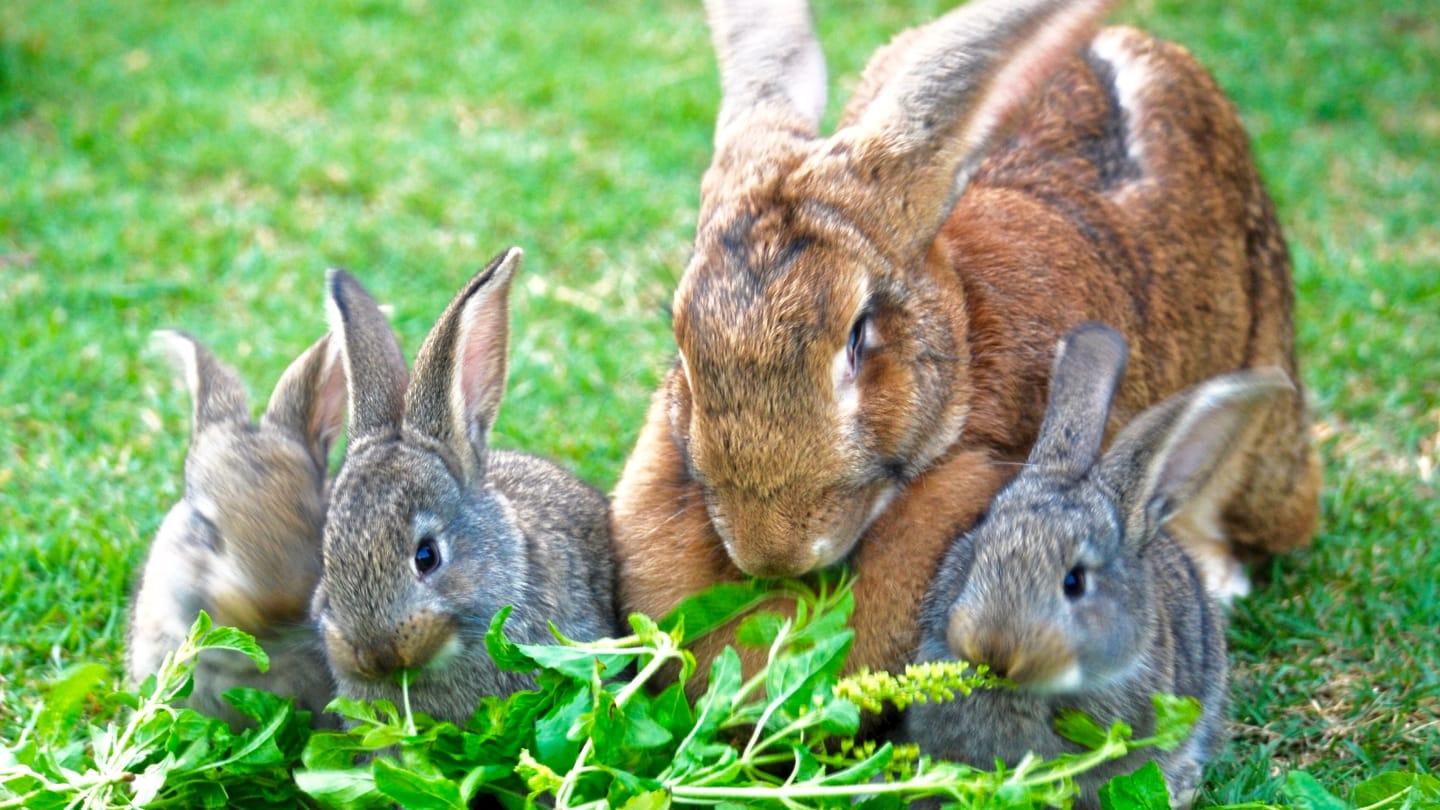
{"type": "Point", "coordinates": [609, 724]}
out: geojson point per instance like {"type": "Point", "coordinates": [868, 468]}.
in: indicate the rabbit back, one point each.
{"type": "Point", "coordinates": [565, 521]}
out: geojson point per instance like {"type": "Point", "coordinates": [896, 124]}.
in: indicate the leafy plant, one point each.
{"type": "Point", "coordinates": [160, 754]}
{"type": "Point", "coordinates": [608, 724]}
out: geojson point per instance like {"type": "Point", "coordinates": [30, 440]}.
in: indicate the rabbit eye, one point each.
{"type": "Point", "coordinates": [1074, 583]}
{"type": "Point", "coordinates": [427, 556]}
{"type": "Point", "coordinates": [855, 348]}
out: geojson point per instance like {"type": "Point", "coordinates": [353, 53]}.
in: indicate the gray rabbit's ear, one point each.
{"type": "Point", "coordinates": [309, 400]}
{"type": "Point", "coordinates": [957, 89]}
{"type": "Point", "coordinates": [772, 71]}
{"type": "Point", "coordinates": [1167, 460]}
{"type": "Point", "coordinates": [215, 388]}
{"type": "Point", "coordinates": [374, 366]}
{"type": "Point", "coordinates": [1089, 363]}
{"type": "Point", "coordinates": [460, 370]}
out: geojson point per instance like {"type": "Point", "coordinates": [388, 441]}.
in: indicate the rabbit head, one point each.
{"type": "Point", "coordinates": [1051, 589]}
{"type": "Point", "coordinates": [821, 330]}
{"type": "Point", "coordinates": [254, 501]}
{"type": "Point", "coordinates": [419, 551]}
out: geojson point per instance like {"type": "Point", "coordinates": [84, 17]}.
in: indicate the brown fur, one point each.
{"type": "Point", "coordinates": [743, 451]}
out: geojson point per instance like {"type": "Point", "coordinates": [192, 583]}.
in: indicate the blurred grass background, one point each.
{"type": "Point", "coordinates": [199, 164]}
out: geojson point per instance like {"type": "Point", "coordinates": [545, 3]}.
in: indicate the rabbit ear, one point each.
{"type": "Point", "coordinates": [1089, 363]}
{"type": "Point", "coordinates": [958, 86]}
{"type": "Point", "coordinates": [309, 400]}
{"type": "Point", "coordinates": [772, 71]}
{"type": "Point", "coordinates": [374, 366]}
{"type": "Point", "coordinates": [215, 388]}
{"type": "Point", "coordinates": [1165, 461]}
{"type": "Point", "coordinates": [460, 371]}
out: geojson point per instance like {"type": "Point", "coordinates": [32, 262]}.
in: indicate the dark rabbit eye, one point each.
{"type": "Point", "coordinates": [427, 556]}
{"type": "Point", "coordinates": [855, 348]}
{"type": "Point", "coordinates": [1074, 583]}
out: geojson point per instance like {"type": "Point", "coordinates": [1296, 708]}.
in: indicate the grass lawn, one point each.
{"type": "Point", "coordinates": [200, 164]}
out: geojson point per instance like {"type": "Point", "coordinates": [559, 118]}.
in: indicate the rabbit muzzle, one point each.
{"type": "Point", "coordinates": [1032, 654]}
{"type": "Point", "coordinates": [418, 641]}
{"type": "Point", "coordinates": [772, 538]}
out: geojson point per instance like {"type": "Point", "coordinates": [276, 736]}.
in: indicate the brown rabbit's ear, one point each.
{"type": "Point", "coordinates": [460, 371]}
{"type": "Point", "coordinates": [956, 90]}
{"type": "Point", "coordinates": [309, 400]}
{"type": "Point", "coordinates": [772, 71]}
{"type": "Point", "coordinates": [215, 388]}
{"type": "Point", "coordinates": [374, 366]}
{"type": "Point", "coordinates": [1089, 363]}
{"type": "Point", "coordinates": [1165, 461]}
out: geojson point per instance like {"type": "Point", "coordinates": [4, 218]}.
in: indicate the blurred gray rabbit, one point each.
{"type": "Point", "coordinates": [430, 532]}
{"type": "Point", "coordinates": [1071, 586]}
{"type": "Point", "coordinates": [243, 543]}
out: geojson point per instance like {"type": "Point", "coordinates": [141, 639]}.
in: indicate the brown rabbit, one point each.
{"type": "Point", "coordinates": [866, 326]}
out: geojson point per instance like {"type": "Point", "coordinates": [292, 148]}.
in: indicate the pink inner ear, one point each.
{"type": "Point", "coordinates": [480, 359]}
{"type": "Point", "coordinates": [328, 412]}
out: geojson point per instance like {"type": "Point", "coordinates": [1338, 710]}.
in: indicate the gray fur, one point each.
{"type": "Point", "coordinates": [1145, 623]}
{"type": "Point", "coordinates": [243, 543]}
{"type": "Point", "coordinates": [511, 529]}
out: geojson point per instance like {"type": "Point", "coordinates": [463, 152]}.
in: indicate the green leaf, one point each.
{"type": "Point", "coordinates": [572, 662]}
{"type": "Point", "coordinates": [350, 787]}
{"type": "Point", "coordinates": [759, 629]}
{"type": "Point", "coordinates": [416, 787]}
{"type": "Point", "coordinates": [645, 629]}
{"type": "Point", "coordinates": [229, 638]}
{"type": "Point", "coordinates": [714, 607]}
{"type": "Point", "coordinates": [1305, 792]}
{"type": "Point", "coordinates": [1142, 790]}
{"type": "Point", "coordinates": [863, 770]}
{"type": "Point", "coordinates": [66, 697]}
{"type": "Point", "coordinates": [794, 680]}
{"type": "Point", "coordinates": [827, 623]}
{"type": "Point", "coordinates": [650, 800]}
{"type": "Point", "coordinates": [671, 709]}
{"type": "Point", "coordinates": [1174, 717]}
{"type": "Point", "coordinates": [1394, 788]}
{"type": "Point", "coordinates": [713, 708]}
{"type": "Point", "coordinates": [537, 776]}
{"type": "Point", "coordinates": [1080, 728]}
{"type": "Point", "coordinates": [506, 654]}
{"type": "Point", "coordinates": [840, 717]}
{"type": "Point", "coordinates": [558, 733]}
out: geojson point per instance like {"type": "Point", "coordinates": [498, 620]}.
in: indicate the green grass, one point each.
{"type": "Point", "coordinates": [200, 164]}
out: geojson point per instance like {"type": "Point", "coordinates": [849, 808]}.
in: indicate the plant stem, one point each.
{"type": "Point", "coordinates": [659, 657]}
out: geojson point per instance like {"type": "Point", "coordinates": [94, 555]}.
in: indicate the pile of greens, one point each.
{"type": "Point", "coordinates": [608, 725]}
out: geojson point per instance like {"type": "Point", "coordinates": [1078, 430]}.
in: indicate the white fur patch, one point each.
{"type": "Point", "coordinates": [1065, 681]}
{"type": "Point", "coordinates": [1132, 75]}
{"type": "Point", "coordinates": [881, 502]}
{"type": "Point", "coordinates": [447, 653]}
{"type": "Point", "coordinates": [847, 393]}
{"type": "Point", "coordinates": [821, 549]}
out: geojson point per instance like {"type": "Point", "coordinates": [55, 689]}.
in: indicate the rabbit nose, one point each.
{"type": "Point", "coordinates": [995, 651]}
{"type": "Point", "coordinates": [422, 637]}
{"type": "Point", "coordinates": [376, 662]}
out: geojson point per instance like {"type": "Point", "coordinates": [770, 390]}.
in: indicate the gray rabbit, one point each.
{"type": "Point", "coordinates": [1072, 587]}
{"type": "Point", "coordinates": [429, 531]}
{"type": "Point", "coordinates": [243, 543]}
